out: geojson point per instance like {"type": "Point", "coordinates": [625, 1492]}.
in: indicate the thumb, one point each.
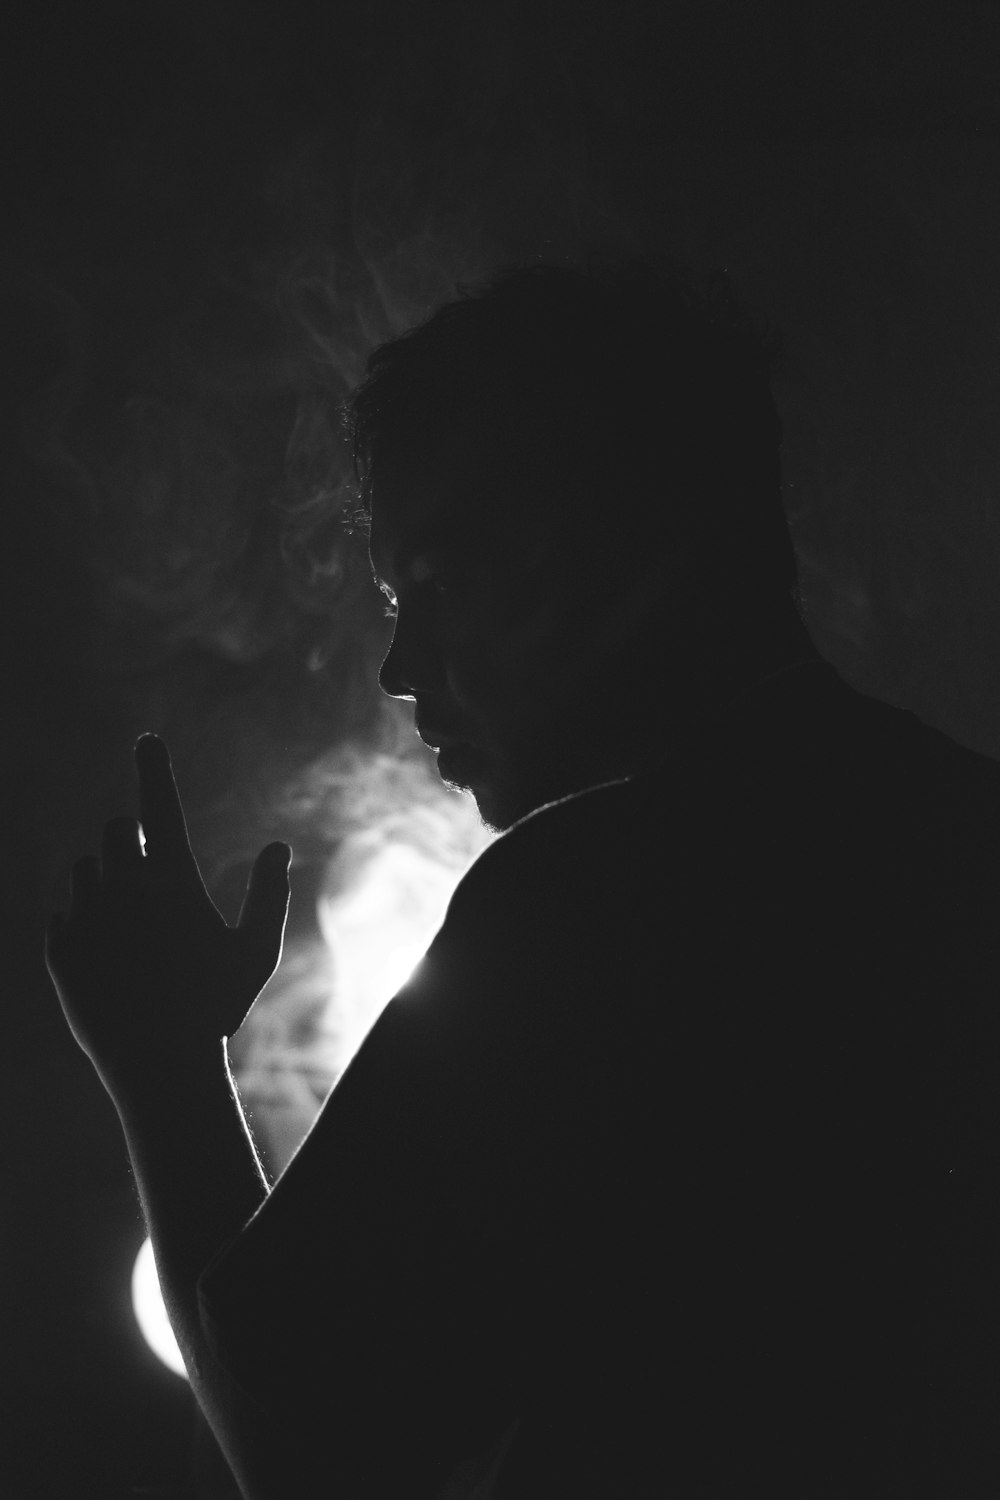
{"type": "Point", "coordinates": [265, 905]}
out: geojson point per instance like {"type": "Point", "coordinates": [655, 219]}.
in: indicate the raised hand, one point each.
{"type": "Point", "coordinates": [144, 964]}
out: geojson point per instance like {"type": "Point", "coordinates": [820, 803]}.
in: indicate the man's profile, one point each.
{"type": "Point", "coordinates": [573, 520]}
{"type": "Point", "coordinates": [671, 1169]}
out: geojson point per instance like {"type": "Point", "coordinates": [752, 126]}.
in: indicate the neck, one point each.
{"type": "Point", "coordinates": [765, 655]}
{"type": "Point", "coordinates": [689, 706]}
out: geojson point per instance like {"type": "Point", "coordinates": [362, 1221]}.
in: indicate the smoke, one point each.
{"type": "Point", "coordinates": [395, 842]}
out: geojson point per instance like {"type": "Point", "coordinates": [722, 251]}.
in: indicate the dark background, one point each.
{"type": "Point", "coordinates": [212, 211]}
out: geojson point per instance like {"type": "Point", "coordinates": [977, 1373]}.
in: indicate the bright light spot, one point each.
{"type": "Point", "coordinates": [150, 1313]}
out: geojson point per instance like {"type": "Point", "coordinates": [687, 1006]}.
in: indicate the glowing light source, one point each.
{"type": "Point", "coordinates": [150, 1313]}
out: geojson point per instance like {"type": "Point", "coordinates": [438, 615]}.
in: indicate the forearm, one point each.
{"type": "Point", "coordinates": [200, 1181]}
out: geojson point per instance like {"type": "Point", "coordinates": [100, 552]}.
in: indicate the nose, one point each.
{"type": "Point", "coordinates": [410, 665]}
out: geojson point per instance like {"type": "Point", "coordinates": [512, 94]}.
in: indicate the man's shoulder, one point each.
{"type": "Point", "coordinates": [612, 807]}
{"type": "Point", "coordinates": [547, 909]}
{"type": "Point", "coordinates": [585, 837]}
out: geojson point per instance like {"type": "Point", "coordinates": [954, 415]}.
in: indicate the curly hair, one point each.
{"type": "Point", "coordinates": [636, 398]}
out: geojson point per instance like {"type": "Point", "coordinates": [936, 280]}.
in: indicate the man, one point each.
{"type": "Point", "coordinates": [671, 1169]}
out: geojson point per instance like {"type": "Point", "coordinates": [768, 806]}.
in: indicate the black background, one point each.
{"type": "Point", "coordinates": [211, 213]}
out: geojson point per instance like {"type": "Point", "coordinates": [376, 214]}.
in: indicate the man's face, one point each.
{"type": "Point", "coordinates": [500, 641]}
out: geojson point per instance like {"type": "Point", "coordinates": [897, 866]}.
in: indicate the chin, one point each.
{"type": "Point", "coordinates": [494, 810]}
{"type": "Point", "coordinates": [498, 809]}
{"type": "Point", "coordinates": [501, 808]}
{"type": "Point", "coordinates": [502, 800]}
{"type": "Point", "coordinates": [496, 814]}
{"type": "Point", "coordinates": [465, 770]}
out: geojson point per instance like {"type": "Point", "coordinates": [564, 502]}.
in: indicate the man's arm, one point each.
{"type": "Point", "coordinates": [200, 1182]}
{"type": "Point", "coordinates": [152, 981]}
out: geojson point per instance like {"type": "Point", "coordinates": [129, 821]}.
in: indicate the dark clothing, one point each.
{"type": "Point", "coordinates": [674, 1169]}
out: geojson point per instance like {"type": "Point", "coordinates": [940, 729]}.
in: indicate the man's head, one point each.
{"type": "Point", "coordinates": [573, 488]}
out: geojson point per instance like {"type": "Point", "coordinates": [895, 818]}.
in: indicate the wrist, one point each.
{"type": "Point", "coordinates": [182, 1112]}
{"type": "Point", "coordinates": [164, 1075]}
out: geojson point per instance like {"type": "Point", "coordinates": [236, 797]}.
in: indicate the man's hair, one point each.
{"type": "Point", "coordinates": [635, 398]}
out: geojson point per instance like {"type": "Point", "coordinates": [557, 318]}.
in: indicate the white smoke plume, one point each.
{"type": "Point", "coordinates": [399, 842]}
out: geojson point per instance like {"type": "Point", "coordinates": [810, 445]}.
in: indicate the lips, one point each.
{"type": "Point", "coordinates": [459, 762]}
{"type": "Point", "coordinates": [435, 738]}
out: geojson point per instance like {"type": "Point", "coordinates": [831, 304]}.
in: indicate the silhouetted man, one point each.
{"type": "Point", "coordinates": [672, 1169]}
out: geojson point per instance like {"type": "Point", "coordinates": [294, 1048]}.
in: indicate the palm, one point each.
{"type": "Point", "coordinates": [143, 962]}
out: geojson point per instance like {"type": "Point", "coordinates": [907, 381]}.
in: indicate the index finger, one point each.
{"type": "Point", "coordinates": [160, 810]}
